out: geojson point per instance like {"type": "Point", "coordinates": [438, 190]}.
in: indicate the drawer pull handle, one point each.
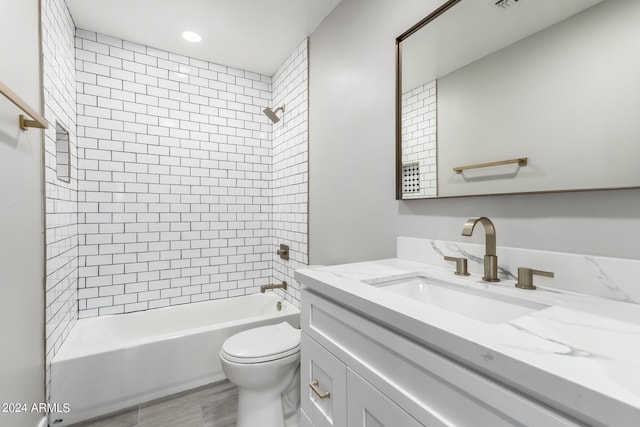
{"type": "Point", "coordinates": [316, 390]}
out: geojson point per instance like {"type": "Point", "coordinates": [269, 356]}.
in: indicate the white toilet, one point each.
{"type": "Point", "coordinates": [264, 363]}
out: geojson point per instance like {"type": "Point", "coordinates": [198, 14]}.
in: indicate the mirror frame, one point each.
{"type": "Point", "coordinates": [398, 116]}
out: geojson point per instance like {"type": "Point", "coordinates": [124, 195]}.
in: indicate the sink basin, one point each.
{"type": "Point", "coordinates": [477, 304]}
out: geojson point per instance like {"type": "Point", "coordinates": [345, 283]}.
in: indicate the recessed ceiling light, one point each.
{"type": "Point", "coordinates": [191, 36]}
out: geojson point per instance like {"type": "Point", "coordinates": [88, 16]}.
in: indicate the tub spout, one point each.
{"type": "Point", "coordinates": [282, 285]}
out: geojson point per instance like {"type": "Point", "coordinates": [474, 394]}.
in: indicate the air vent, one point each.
{"type": "Point", "coordinates": [410, 178]}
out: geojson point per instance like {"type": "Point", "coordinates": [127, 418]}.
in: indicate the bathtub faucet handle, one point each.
{"type": "Point", "coordinates": [283, 252]}
{"type": "Point", "coordinates": [282, 285]}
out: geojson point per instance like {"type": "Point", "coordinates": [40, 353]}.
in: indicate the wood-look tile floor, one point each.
{"type": "Point", "coordinates": [214, 405]}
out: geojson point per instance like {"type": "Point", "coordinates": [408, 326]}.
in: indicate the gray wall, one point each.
{"type": "Point", "coordinates": [353, 215]}
{"type": "Point", "coordinates": [21, 227]}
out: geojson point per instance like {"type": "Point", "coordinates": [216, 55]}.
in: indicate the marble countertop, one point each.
{"type": "Point", "coordinates": [580, 355]}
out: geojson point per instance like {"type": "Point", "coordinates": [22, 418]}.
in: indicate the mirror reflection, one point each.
{"type": "Point", "coordinates": [499, 97]}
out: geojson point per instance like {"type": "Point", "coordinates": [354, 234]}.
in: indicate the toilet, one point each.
{"type": "Point", "coordinates": [264, 363]}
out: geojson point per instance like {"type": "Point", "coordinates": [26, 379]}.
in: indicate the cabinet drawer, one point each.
{"type": "Point", "coordinates": [422, 382]}
{"type": "Point", "coordinates": [324, 385]}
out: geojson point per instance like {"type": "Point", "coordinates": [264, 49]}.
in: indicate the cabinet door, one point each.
{"type": "Point", "coordinates": [304, 420]}
{"type": "Point", "coordinates": [324, 385]}
{"type": "Point", "coordinates": [367, 407]}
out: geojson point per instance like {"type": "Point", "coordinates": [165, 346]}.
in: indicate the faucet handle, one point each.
{"type": "Point", "coordinates": [525, 277]}
{"type": "Point", "coordinates": [461, 265]}
{"type": "Point", "coordinates": [283, 252]}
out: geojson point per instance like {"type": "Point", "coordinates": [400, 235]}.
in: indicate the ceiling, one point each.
{"type": "Point", "coordinates": [253, 35]}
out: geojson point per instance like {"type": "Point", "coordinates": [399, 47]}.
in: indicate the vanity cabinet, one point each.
{"type": "Point", "coordinates": [377, 377]}
{"type": "Point", "coordinates": [343, 397]}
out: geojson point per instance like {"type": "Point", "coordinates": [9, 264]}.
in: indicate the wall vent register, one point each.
{"type": "Point", "coordinates": [411, 178]}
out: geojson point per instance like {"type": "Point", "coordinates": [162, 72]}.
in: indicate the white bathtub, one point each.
{"type": "Point", "coordinates": [114, 362]}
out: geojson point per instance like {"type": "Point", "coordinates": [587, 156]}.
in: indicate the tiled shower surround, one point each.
{"type": "Point", "coordinates": [61, 197]}
{"type": "Point", "coordinates": [175, 178]}
{"type": "Point", "coordinates": [290, 168]}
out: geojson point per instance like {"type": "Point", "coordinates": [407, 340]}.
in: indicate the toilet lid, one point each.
{"type": "Point", "coordinates": [262, 344]}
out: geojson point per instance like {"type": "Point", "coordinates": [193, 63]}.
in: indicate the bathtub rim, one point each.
{"type": "Point", "coordinates": [66, 353]}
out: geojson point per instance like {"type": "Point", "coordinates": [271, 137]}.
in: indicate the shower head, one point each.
{"type": "Point", "coordinates": [272, 114]}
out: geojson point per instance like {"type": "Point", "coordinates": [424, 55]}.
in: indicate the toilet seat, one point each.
{"type": "Point", "coordinates": [262, 344]}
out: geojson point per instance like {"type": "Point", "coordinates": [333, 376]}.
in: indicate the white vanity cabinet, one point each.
{"type": "Point", "coordinates": [376, 377]}
{"type": "Point", "coordinates": [343, 397]}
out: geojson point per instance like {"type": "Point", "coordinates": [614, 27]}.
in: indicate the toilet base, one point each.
{"type": "Point", "coordinates": [265, 387]}
{"type": "Point", "coordinates": [260, 409]}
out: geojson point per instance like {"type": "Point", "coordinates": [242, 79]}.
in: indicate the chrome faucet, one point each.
{"type": "Point", "coordinates": [490, 257]}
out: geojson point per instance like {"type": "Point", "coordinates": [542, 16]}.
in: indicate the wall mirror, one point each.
{"type": "Point", "coordinates": [519, 96]}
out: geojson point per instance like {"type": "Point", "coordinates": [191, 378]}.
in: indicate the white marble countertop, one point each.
{"type": "Point", "coordinates": [581, 355]}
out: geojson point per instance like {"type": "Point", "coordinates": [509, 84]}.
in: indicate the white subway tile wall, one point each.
{"type": "Point", "coordinates": [174, 171]}
{"type": "Point", "coordinates": [290, 168]}
{"type": "Point", "coordinates": [419, 132]}
{"type": "Point", "coordinates": [61, 300]}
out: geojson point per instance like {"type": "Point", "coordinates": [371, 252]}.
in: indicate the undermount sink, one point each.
{"type": "Point", "coordinates": [476, 304]}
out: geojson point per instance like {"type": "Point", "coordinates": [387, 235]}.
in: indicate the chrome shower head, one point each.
{"type": "Point", "coordinates": [272, 114]}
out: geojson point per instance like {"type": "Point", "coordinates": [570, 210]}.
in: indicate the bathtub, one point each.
{"type": "Point", "coordinates": [114, 362]}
